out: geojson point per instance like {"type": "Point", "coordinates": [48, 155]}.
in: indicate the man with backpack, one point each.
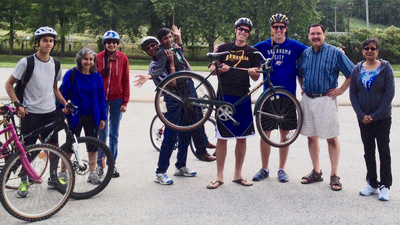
{"type": "Point", "coordinates": [36, 77]}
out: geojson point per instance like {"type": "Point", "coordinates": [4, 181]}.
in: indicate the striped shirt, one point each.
{"type": "Point", "coordinates": [320, 70]}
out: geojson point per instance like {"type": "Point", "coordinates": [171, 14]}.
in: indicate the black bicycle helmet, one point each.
{"type": "Point", "coordinates": [244, 22]}
{"type": "Point", "coordinates": [148, 40]}
{"type": "Point", "coordinates": [279, 18]}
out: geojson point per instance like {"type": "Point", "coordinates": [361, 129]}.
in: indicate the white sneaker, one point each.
{"type": "Point", "coordinates": [162, 178]}
{"type": "Point", "coordinates": [94, 178]}
{"type": "Point", "coordinates": [185, 171]}
{"type": "Point", "coordinates": [384, 193]}
{"type": "Point", "coordinates": [368, 190]}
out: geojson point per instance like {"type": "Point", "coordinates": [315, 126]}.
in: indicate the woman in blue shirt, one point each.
{"type": "Point", "coordinates": [83, 85]}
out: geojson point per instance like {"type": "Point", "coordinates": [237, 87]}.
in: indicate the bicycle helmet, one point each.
{"type": "Point", "coordinates": [245, 22]}
{"type": "Point", "coordinates": [110, 36]}
{"type": "Point", "coordinates": [44, 31]}
{"type": "Point", "coordinates": [279, 18]}
{"type": "Point", "coordinates": [148, 40]}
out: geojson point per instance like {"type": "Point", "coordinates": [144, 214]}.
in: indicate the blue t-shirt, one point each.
{"type": "Point", "coordinates": [284, 63]}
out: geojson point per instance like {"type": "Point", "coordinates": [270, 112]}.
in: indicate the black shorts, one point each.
{"type": "Point", "coordinates": [33, 121]}
{"type": "Point", "coordinates": [282, 106]}
{"type": "Point", "coordinates": [87, 123]}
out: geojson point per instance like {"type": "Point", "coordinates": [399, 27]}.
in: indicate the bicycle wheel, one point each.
{"type": "Point", "coordinates": [278, 118]}
{"type": "Point", "coordinates": [88, 145]}
{"type": "Point", "coordinates": [174, 101]}
{"type": "Point", "coordinates": [43, 200]}
{"type": "Point", "coordinates": [209, 127]}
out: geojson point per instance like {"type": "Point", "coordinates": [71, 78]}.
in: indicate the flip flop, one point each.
{"type": "Point", "coordinates": [217, 183]}
{"type": "Point", "coordinates": [243, 182]}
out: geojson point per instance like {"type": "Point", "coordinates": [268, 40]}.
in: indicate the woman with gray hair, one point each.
{"type": "Point", "coordinates": [83, 85]}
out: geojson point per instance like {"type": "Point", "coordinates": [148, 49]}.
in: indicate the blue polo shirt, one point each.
{"type": "Point", "coordinates": [320, 69]}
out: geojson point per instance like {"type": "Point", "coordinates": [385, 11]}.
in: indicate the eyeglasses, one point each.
{"type": "Point", "coordinates": [111, 42]}
{"type": "Point", "coordinates": [152, 45]}
{"type": "Point", "coordinates": [372, 49]}
{"type": "Point", "coordinates": [278, 27]}
{"type": "Point", "coordinates": [245, 30]}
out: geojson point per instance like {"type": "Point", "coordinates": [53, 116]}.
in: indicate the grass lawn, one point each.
{"type": "Point", "coordinates": [9, 61]}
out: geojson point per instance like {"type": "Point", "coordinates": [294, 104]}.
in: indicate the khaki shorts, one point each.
{"type": "Point", "coordinates": [320, 117]}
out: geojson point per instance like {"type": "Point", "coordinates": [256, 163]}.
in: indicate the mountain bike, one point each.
{"type": "Point", "coordinates": [277, 111]}
{"type": "Point", "coordinates": [29, 165]}
{"type": "Point", "coordinates": [157, 134]}
{"type": "Point", "coordinates": [79, 149]}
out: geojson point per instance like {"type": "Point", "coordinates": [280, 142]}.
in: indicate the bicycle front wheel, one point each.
{"type": "Point", "coordinates": [278, 118]}
{"type": "Point", "coordinates": [177, 101]}
{"type": "Point", "coordinates": [34, 200]}
{"type": "Point", "coordinates": [96, 157]}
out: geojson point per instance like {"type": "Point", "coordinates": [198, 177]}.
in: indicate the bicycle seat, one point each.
{"type": "Point", "coordinates": [217, 55]}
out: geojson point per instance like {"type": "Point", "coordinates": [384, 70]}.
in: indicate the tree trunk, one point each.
{"type": "Point", "coordinates": [11, 42]}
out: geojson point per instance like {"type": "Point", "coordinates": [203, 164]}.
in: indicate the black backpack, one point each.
{"type": "Point", "coordinates": [21, 84]}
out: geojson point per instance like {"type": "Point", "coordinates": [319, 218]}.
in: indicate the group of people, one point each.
{"type": "Point", "coordinates": [99, 86]}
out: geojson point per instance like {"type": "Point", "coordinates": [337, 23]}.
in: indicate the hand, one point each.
{"type": "Point", "coordinates": [341, 50]}
{"type": "Point", "coordinates": [176, 31]}
{"type": "Point", "coordinates": [170, 55]}
{"type": "Point", "coordinates": [216, 47]}
{"type": "Point", "coordinates": [367, 119]}
{"type": "Point", "coordinates": [334, 92]}
{"type": "Point", "coordinates": [225, 68]}
{"type": "Point", "coordinates": [253, 74]}
{"type": "Point", "coordinates": [123, 108]}
{"type": "Point", "coordinates": [102, 124]}
{"type": "Point", "coordinates": [140, 80]}
{"type": "Point", "coordinates": [21, 112]}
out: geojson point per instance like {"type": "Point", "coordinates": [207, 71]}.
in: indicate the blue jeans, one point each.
{"type": "Point", "coordinates": [113, 118]}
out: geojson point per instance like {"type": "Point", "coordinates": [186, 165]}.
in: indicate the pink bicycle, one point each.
{"type": "Point", "coordinates": [27, 167]}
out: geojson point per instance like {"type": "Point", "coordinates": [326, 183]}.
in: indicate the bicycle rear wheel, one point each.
{"type": "Point", "coordinates": [157, 129]}
{"type": "Point", "coordinates": [174, 105]}
{"type": "Point", "coordinates": [278, 118]}
{"type": "Point", "coordinates": [43, 201]}
{"type": "Point", "coordinates": [88, 145]}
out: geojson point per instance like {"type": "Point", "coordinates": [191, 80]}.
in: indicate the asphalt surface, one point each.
{"type": "Point", "coordinates": [134, 198]}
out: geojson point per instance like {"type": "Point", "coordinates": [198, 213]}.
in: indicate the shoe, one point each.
{"type": "Point", "coordinates": [207, 158]}
{"type": "Point", "coordinates": [368, 190]}
{"type": "Point", "coordinates": [23, 190]}
{"type": "Point", "coordinates": [115, 173]}
{"type": "Point", "coordinates": [261, 175]}
{"type": "Point", "coordinates": [210, 145]}
{"type": "Point", "coordinates": [283, 176]}
{"type": "Point", "coordinates": [185, 171]}
{"type": "Point", "coordinates": [99, 171]}
{"type": "Point", "coordinates": [384, 193]}
{"type": "Point", "coordinates": [94, 178]}
{"type": "Point", "coordinates": [162, 178]}
{"type": "Point", "coordinates": [62, 180]}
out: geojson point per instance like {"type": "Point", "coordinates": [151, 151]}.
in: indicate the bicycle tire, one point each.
{"type": "Point", "coordinates": [210, 129]}
{"type": "Point", "coordinates": [173, 105]}
{"type": "Point", "coordinates": [42, 201]}
{"type": "Point", "coordinates": [157, 133]}
{"type": "Point", "coordinates": [84, 189]}
{"type": "Point", "coordinates": [278, 110]}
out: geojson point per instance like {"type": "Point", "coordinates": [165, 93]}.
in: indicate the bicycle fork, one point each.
{"type": "Point", "coordinates": [75, 148]}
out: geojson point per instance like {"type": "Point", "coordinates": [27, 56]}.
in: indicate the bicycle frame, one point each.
{"type": "Point", "coordinates": [14, 137]}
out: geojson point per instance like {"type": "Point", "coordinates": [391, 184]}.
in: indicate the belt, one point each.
{"type": "Point", "coordinates": [315, 95]}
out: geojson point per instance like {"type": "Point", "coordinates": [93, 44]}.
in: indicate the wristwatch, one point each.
{"type": "Point", "coordinates": [17, 104]}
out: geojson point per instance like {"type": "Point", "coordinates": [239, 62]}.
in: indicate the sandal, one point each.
{"type": "Point", "coordinates": [335, 183]}
{"type": "Point", "coordinates": [243, 182]}
{"type": "Point", "coordinates": [215, 184]}
{"type": "Point", "coordinates": [312, 177]}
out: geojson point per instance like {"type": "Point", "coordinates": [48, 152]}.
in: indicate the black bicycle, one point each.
{"type": "Point", "coordinates": [80, 149]}
{"type": "Point", "coordinates": [278, 113]}
{"type": "Point", "coordinates": [157, 134]}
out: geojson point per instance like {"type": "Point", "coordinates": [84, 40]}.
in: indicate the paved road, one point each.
{"type": "Point", "coordinates": [135, 199]}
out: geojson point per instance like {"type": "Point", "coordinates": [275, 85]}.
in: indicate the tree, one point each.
{"type": "Point", "coordinates": [13, 15]}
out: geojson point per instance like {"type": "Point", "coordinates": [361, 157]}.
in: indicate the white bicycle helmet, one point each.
{"type": "Point", "coordinates": [245, 22]}
{"type": "Point", "coordinates": [148, 40]}
{"type": "Point", "coordinates": [110, 36]}
{"type": "Point", "coordinates": [45, 31]}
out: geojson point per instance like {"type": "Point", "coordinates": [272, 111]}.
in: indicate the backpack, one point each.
{"type": "Point", "coordinates": [21, 84]}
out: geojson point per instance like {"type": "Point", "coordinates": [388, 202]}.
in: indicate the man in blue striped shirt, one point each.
{"type": "Point", "coordinates": [318, 71]}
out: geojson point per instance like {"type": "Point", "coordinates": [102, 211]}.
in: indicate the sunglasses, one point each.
{"type": "Point", "coordinates": [152, 45]}
{"type": "Point", "coordinates": [367, 49]}
{"type": "Point", "coordinates": [278, 27]}
{"type": "Point", "coordinates": [111, 42]}
{"type": "Point", "coordinates": [245, 30]}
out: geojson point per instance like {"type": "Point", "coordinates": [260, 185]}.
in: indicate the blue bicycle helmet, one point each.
{"type": "Point", "coordinates": [110, 36]}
